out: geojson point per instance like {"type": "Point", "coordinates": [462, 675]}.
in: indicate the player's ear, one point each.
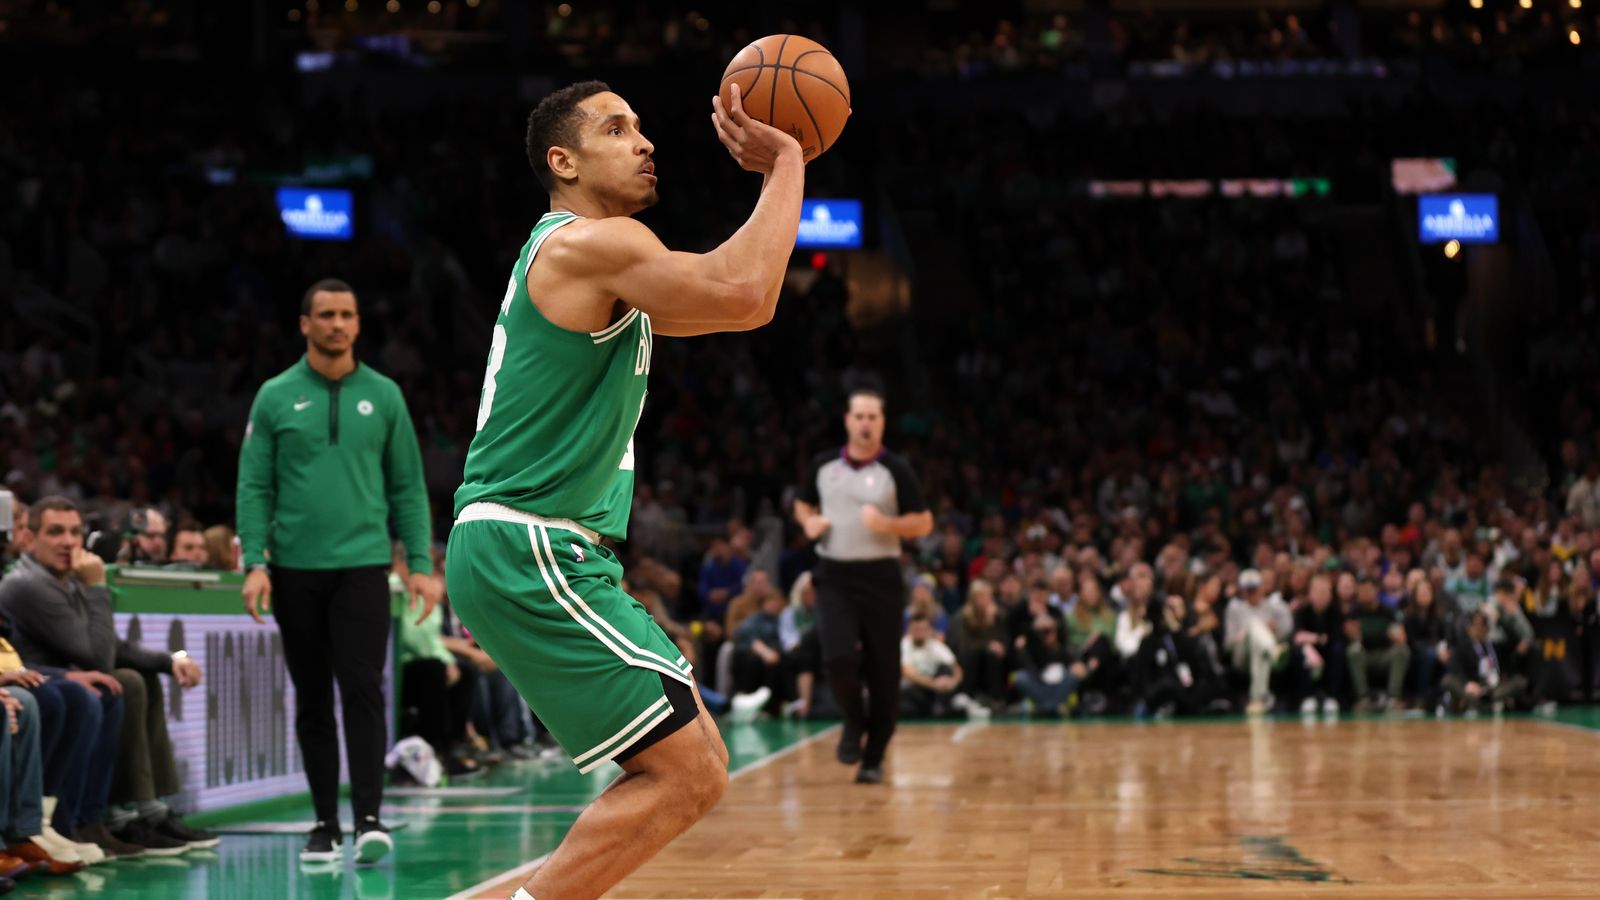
{"type": "Point", "coordinates": [563, 163]}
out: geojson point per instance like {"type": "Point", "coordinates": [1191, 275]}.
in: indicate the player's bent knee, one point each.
{"type": "Point", "coordinates": [703, 786]}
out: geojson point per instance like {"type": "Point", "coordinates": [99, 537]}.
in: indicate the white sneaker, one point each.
{"type": "Point", "coordinates": [59, 848]}
{"type": "Point", "coordinates": [90, 853]}
{"type": "Point", "coordinates": [1308, 706]}
{"type": "Point", "coordinates": [63, 848]}
{"type": "Point", "coordinates": [372, 846]}
{"type": "Point", "coordinates": [1330, 706]}
{"type": "Point", "coordinates": [975, 711]}
{"type": "Point", "coordinates": [745, 707]}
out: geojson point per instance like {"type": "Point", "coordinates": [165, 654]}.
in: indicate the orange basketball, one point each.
{"type": "Point", "coordinates": [795, 84]}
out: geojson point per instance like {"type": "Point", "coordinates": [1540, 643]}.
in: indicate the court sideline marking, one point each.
{"type": "Point", "coordinates": [527, 868]}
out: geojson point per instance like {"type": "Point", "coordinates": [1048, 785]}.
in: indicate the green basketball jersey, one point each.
{"type": "Point", "coordinates": [558, 410]}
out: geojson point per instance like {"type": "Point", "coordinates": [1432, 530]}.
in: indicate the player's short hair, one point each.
{"type": "Point", "coordinates": [331, 285]}
{"type": "Point", "coordinates": [553, 124]}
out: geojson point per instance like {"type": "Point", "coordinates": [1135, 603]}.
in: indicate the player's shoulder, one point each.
{"type": "Point", "coordinates": [589, 242]}
{"type": "Point", "coordinates": [823, 458]}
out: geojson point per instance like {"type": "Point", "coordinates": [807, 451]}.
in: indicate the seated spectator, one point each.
{"type": "Point", "coordinates": [721, 574]}
{"type": "Point", "coordinates": [1377, 639]}
{"type": "Point", "coordinates": [1428, 630]}
{"type": "Point", "coordinates": [1257, 626]}
{"type": "Point", "coordinates": [1019, 622]}
{"type": "Point", "coordinates": [1171, 671]}
{"type": "Point", "coordinates": [931, 677]}
{"type": "Point", "coordinates": [147, 530]}
{"type": "Point", "coordinates": [1476, 679]}
{"type": "Point", "coordinates": [1092, 620]}
{"type": "Point", "coordinates": [757, 588]}
{"type": "Point", "coordinates": [1510, 630]}
{"type": "Point", "coordinates": [222, 549]}
{"type": "Point", "coordinates": [189, 547]}
{"type": "Point", "coordinates": [978, 640]}
{"type": "Point", "coordinates": [60, 613]}
{"type": "Point", "coordinates": [924, 600]}
{"type": "Point", "coordinates": [1047, 673]}
{"type": "Point", "coordinates": [1133, 621]}
{"type": "Point", "coordinates": [1089, 630]}
{"type": "Point", "coordinates": [1319, 649]}
{"type": "Point", "coordinates": [1392, 592]}
{"type": "Point", "coordinates": [1471, 587]}
{"type": "Point", "coordinates": [758, 661]}
{"type": "Point", "coordinates": [21, 540]}
{"type": "Point", "coordinates": [22, 822]}
{"type": "Point", "coordinates": [435, 691]}
{"type": "Point", "coordinates": [797, 633]}
{"type": "Point", "coordinates": [80, 724]}
{"type": "Point", "coordinates": [1575, 630]}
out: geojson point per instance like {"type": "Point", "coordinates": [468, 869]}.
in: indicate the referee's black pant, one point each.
{"type": "Point", "coordinates": [860, 608]}
{"type": "Point", "coordinates": [335, 624]}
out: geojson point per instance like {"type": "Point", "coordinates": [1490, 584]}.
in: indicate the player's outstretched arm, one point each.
{"type": "Point", "coordinates": [731, 288]}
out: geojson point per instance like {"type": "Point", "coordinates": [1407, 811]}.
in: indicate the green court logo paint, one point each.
{"type": "Point", "coordinates": [1264, 859]}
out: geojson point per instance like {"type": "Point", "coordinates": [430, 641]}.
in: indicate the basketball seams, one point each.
{"type": "Point", "coordinates": [826, 82]}
{"type": "Point", "coordinates": [816, 129]}
{"type": "Point", "coordinates": [759, 66]}
{"type": "Point", "coordinates": [772, 105]}
{"type": "Point", "coordinates": [796, 66]}
{"type": "Point", "coordinates": [777, 68]}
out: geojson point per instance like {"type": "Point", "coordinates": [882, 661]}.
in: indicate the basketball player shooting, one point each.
{"type": "Point", "coordinates": [551, 468]}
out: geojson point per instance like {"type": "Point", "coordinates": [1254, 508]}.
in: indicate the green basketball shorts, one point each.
{"type": "Point", "coordinates": [544, 599]}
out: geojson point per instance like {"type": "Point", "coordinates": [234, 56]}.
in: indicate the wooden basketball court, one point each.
{"type": "Point", "coordinates": [1356, 808]}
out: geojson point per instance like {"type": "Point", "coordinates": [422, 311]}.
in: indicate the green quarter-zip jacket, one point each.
{"type": "Point", "coordinates": [323, 466]}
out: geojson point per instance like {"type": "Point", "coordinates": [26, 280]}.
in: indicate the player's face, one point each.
{"type": "Point", "coordinates": [614, 154]}
{"type": "Point", "coordinates": [334, 323]}
{"type": "Point", "coordinates": [864, 421]}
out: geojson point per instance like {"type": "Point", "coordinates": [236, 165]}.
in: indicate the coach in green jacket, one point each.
{"type": "Point", "coordinates": [329, 457]}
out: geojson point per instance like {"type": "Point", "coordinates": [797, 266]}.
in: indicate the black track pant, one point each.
{"type": "Point", "coordinates": [860, 608]}
{"type": "Point", "coordinates": [335, 625]}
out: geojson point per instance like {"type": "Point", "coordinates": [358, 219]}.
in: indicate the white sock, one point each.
{"type": "Point", "coordinates": [522, 894]}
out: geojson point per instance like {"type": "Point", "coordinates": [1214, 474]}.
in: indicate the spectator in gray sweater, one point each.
{"type": "Point", "coordinates": [1256, 628]}
{"type": "Point", "coordinates": [59, 608]}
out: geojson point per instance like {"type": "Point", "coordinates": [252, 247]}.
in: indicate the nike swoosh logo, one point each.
{"type": "Point", "coordinates": [301, 405]}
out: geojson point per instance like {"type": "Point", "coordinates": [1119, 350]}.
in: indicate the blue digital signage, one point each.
{"type": "Point", "coordinates": [1468, 218]}
{"type": "Point", "coordinates": [318, 214]}
{"type": "Point", "coordinates": [830, 224]}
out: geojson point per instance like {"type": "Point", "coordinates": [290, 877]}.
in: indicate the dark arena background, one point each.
{"type": "Point", "coordinates": [1246, 353]}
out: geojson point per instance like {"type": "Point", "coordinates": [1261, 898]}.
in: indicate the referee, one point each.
{"type": "Point", "coordinates": [857, 504]}
{"type": "Point", "coordinates": [329, 456]}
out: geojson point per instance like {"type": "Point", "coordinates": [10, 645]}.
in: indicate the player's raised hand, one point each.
{"type": "Point", "coordinates": [755, 146]}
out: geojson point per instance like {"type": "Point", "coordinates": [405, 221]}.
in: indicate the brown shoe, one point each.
{"type": "Point", "coordinates": [28, 851]}
{"type": "Point", "coordinates": [101, 836]}
{"type": "Point", "coordinates": [15, 869]}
